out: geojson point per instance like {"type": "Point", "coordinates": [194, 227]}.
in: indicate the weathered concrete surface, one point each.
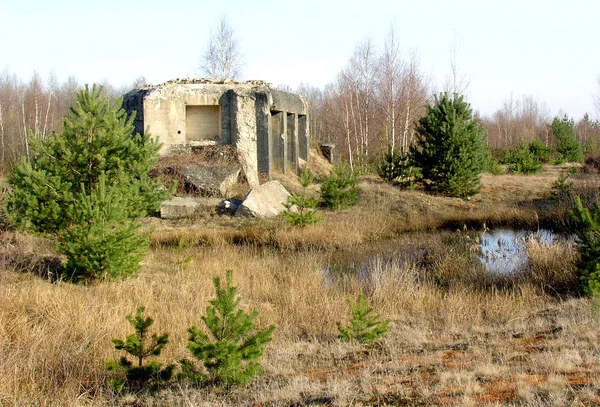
{"type": "Point", "coordinates": [264, 201]}
{"type": "Point", "coordinates": [190, 113]}
{"type": "Point", "coordinates": [179, 207]}
{"type": "Point", "coordinates": [211, 180]}
{"type": "Point", "coordinates": [244, 135]}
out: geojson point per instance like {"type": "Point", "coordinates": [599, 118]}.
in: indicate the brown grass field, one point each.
{"type": "Point", "coordinates": [458, 336]}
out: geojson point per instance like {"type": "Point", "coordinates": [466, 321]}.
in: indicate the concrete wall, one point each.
{"type": "Point", "coordinates": [268, 126]}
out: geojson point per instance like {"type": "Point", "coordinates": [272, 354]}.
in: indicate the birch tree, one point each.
{"type": "Point", "coordinates": [222, 58]}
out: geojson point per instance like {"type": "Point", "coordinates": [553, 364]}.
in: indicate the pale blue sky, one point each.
{"type": "Point", "coordinates": [547, 49]}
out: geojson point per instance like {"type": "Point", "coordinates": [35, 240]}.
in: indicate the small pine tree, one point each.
{"type": "Point", "coordinates": [566, 142]}
{"type": "Point", "coordinates": [305, 213]}
{"type": "Point", "coordinates": [541, 151]}
{"type": "Point", "coordinates": [231, 352]}
{"type": "Point", "coordinates": [394, 165]}
{"type": "Point", "coordinates": [365, 326]}
{"type": "Point", "coordinates": [102, 242]}
{"type": "Point", "coordinates": [58, 193]}
{"type": "Point", "coordinates": [340, 189]}
{"type": "Point", "coordinates": [140, 375]}
{"type": "Point", "coordinates": [587, 232]}
{"type": "Point", "coordinates": [522, 160]}
{"type": "Point", "coordinates": [450, 148]}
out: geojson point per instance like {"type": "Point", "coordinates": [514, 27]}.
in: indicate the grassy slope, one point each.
{"type": "Point", "coordinates": [456, 337]}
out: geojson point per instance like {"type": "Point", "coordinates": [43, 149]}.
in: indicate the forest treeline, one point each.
{"type": "Point", "coordinates": [37, 107]}
{"type": "Point", "coordinates": [373, 103]}
{"type": "Point", "coordinates": [377, 98]}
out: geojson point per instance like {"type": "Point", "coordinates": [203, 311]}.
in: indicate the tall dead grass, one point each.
{"type": "Point", "coordinates": [56, 336]}
{"type": "Point", "coordinates": [457, 335]}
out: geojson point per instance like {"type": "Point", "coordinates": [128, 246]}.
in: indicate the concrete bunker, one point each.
{"type": "Point", "coordinates": [267, 126]}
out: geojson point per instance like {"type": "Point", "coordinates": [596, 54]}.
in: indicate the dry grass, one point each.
{"type": "Point", "coordinates": [457, 336]}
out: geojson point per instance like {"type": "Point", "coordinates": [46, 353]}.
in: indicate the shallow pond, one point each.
{"type": "Point", "coordinates": [504, 251]}
{"type": "Point", "coordinates": [500, 251]}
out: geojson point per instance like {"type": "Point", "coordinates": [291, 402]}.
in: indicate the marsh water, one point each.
{"type": "Point", "coordinates": [504, 251]}
{"type": "Point", "coordinates": [499, 251]}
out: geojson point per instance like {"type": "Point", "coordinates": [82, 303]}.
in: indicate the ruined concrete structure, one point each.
{"type": "Point", "coordinates": [269, 127]}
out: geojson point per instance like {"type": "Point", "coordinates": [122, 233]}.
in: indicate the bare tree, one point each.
{"type": "Point", "coordinates": [222, 58]}
{"type": "Point", "coordinates": [456, 83]}
{"type": "Point", "coordinates": [390, 86]}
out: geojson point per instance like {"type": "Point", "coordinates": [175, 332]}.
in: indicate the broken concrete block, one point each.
{"type": "Point", "coordinates": [229, 206]}
{"type": "Point", "coordinates": [180, 207]}
{"type": "Point", "coordinates": [211, 180]}
{"type": "Point", "coordinates": [264, 201]}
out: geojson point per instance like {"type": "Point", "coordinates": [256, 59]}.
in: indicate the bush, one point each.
{"type": "Point", "coordinates": [301, 209]}
{"type": "Point", "coordinates": [232, 351]}
{"type": "Point", "coordinates": [140, 375]}
{"type": "Point", "coordinates": [522, 160]}
{"type": "Point", "coordinates": [340, 189]}
{"type": "Point", "coordinates": [365, 326]}
{"type": "Point", "coordinates": [566, 142]}
{"type": "Point", "coordinates": [450, 148]}
{"type": "Point", "coordinates": [88, 187]}
{"type": "Point", "coordinates": [587, 234]}
{"type": "Point", "coordinates": [543, 152]}
{"type": "Point", "coordinates": [394, 165]}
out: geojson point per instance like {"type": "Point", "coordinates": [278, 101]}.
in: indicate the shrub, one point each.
{"type": "Point", "coordinates": [394, 165]}
{"type": "Point", "coordinates": [365, 326]}
{"type": "Point", "coordinates": [522, 160]}
{"type": "Point", "coordinates": [587, 234]}
{"type": "Point", "coordinates": [543, 152]}
{"type": "Point", "coordinates": [88, 187]}
{"type": "Point", "coordinates": [566, 142]}
{"type": "Point", "coordinates": [490, 164]}
{"type": "Point", "coordinates": [450, 148]}
{"type": "Point", "coordinates": [305, 206]}
{"type": "Point", "coordinates": [140, 375]}
{"type": "Point", "coordinates": [340, 189]}
{"type": "Point", "coordinates": [231, 352]}
{"type": "Point", "coordinates": [561, 189]}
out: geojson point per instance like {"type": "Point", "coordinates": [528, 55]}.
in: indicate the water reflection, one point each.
{"type": "Point", "coordinates": [504, 251]}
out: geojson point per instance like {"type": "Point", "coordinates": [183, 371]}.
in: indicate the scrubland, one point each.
{"type": "Point", "coordinates": [458, 335]}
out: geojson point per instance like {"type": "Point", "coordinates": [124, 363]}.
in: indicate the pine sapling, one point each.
{"type": "Point", "coordinates": [233, 345]}
{"type": "Point", "coordinates": [340, 189]}
{"type": "Point", "coordinates": [301, 209]}
{"type": "Point", "coordinates": [135, 373]}
{"type": "Point", "coordinates": [393, 165]}
{"type": "Point", "coordinates": [365, 326]}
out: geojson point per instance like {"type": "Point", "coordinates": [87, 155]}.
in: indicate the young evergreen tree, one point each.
{"type": "Point", "coordinates": [87, 183]}
{"type": "Point", "coordinates": [136, 374]}
{"type": "Point", "coordinates": [450, 148]}
{"type": "Point", "coordinates": [394, 165]}
{"type": "Point", "coordinates": [566, 142]}
{"type": "Point", "coordinates": [231, 352]}
{"type": "Point", "coordinates": [340, 189]}
{"type": "Point", "coordinates": [365, 326]}
{"type": "Point", "coordinates": [305, 206]}
{"type": "Point", "coordinates": [587, 221]}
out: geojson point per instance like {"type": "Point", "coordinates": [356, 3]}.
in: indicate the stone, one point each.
{"type": "Point", "coordinates": [229, 206]}
{"type": "Point", "coordinates": [179, 207]}
{"type": "Point", "coordinates": [265, 201]}
{"type": "Point", "coordinates": [211, 180]}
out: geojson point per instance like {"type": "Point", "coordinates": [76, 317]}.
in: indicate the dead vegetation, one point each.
{"type": "Point", "coordinates": [458, 336]}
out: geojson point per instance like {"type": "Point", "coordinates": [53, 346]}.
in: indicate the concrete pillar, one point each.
{"type": "Point", "coordinates": [303, 146]}
{"type": "Point", "coordinates": [278, 130]}
{"type": "Point", "coordinates": [263, 131]}
{"type": "Point", "coordinates": [292, 142]}
{"type": "Point", "coordinates": [243, 135]}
